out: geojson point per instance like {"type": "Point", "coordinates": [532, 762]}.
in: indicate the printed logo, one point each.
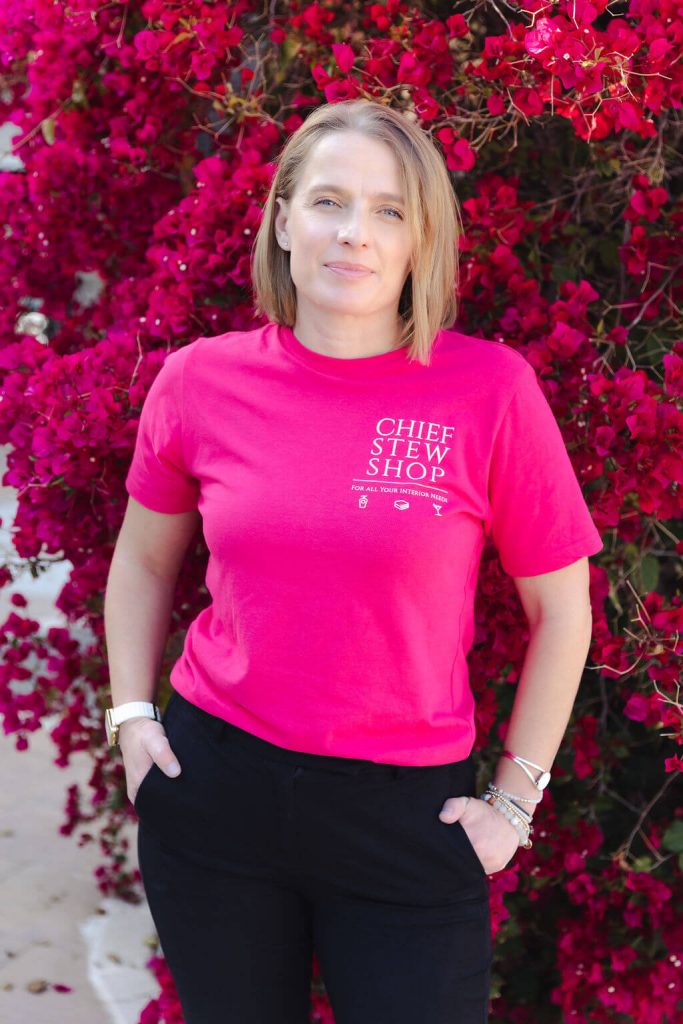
{"type": "Point", "coordinates": [406, 457]}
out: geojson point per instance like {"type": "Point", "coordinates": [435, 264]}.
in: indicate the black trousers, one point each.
{"type": "Point", "coordinates": [256, 856]}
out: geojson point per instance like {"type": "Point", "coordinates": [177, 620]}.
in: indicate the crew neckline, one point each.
{"type": "Point", "coordinates": [354, 367]}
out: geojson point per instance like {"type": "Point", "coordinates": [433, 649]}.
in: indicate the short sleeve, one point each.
{"type": "Point", "coordinates": [158, 476]}
{"type": "Point", "coordinates": [539, 520]}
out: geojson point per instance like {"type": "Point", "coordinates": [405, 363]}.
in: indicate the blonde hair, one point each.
{"type": "Point", "coordinates": [428, 301]}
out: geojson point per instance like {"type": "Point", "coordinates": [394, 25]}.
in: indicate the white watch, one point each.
{"type": "Point", "coordinates": [113, 717]}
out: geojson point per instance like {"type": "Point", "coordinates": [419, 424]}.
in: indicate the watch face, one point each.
{"type": "Point", "coordinates": [111, 729]}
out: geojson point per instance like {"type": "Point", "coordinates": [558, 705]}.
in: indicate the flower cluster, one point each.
{"type": "Point", "coordinates": [145, 140]}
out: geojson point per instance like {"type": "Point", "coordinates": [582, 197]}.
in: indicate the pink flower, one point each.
{"type": "Point", "coordinates": [541, 37]}
{"type": "Point", "coordinates": [344, 56]}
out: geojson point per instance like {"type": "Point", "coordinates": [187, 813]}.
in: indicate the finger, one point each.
{"type": "Point", "coordinates": [453, 808]}
{"type": "Point", "coordinates": [159, 749]}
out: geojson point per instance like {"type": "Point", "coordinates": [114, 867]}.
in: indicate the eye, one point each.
{"type": "Point", "coordinates": [389, 209]}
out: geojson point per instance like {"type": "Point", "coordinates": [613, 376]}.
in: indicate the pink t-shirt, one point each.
{"type": "Point", "coordinates": [345, 504]}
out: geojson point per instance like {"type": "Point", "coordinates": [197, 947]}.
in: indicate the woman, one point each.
{"type": "Point", "coordinates": [309, 786]}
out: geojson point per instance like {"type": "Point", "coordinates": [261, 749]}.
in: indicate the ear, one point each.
{"type": "Point", "coordinates": [280, 222]}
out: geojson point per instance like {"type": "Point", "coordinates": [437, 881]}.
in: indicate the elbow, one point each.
{"type": "Point", "coordinates": [577, 619]}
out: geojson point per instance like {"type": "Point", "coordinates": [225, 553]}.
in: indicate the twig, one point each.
{"type": "Point", "coordinates": [625, 849]}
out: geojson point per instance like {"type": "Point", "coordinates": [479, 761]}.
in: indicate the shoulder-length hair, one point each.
{"type": "Point", "coordinates": [428, 301]}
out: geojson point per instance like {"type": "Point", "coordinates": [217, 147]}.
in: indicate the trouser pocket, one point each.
{"type": "Point", "coordinates": [380, 836]}
{"type": "Point", "coordinates": [461, 781]}
{"type": "Point", "coordinates": [175, 807]}
{"type": "Point", "coordinates": [221, 810]}
{"type": "Point", "coordinates": [148, 778]}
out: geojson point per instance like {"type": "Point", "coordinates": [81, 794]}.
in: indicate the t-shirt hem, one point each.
{"type": "Point", "coordinates": [158, 503]}
{"type": "Point", "coordinates": [458, 750]}
{"type": "Point", "coordinates": [589, 545]}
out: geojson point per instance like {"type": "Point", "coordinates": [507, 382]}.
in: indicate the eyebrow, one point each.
{"type": "Point", "coordinates": [390, 196]}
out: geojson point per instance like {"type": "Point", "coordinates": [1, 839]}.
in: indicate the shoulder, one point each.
{"type": "Point", "coordinates": [216, 350]}
{"type": "Point", "coordinates": [492, 362]}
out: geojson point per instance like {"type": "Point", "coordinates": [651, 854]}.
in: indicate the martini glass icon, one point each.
{"type": "Point", "coordinates": [437, 507]}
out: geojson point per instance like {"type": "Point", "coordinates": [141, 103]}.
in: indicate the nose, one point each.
{"type": "Point", "coordinates": [353, 227]}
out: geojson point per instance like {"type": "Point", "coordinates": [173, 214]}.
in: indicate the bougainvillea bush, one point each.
{"type": "Point", "coordinates": [144, 141]}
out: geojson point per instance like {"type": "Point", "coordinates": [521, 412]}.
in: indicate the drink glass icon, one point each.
{"type": "Point", "coordinates": [362, 501]}
{"type": "Point", "coordinates": [437, 507]}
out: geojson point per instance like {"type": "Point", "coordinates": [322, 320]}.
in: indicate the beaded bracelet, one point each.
{"type": "Point", "coordinates": [506, 810]}
{"type": "Point", "coordinates": [523, 816]}
{"type": "Point", "coordinates": [514, 796]}
{"type": "Point", "coordinates": [521, 812]}
{"type": "Point", "coordinates": [511, 813]}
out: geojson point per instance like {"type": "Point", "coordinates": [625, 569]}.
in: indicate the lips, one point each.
{"type": "Point", "coordinates": [349, 269]}
{"type": "Point", "coordinates": [348, 266]}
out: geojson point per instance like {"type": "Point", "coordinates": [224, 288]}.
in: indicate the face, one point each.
{"type": "Point", "coordinates": [349, 207]}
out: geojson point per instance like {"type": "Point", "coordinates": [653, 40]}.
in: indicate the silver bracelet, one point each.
{"type": "Point", "coordinates": [523, 830]}
{"type": "Point", "coordinates": [514, 796]}
{"type": "Point", "coordinates": [503, 807]}
{"type": "Point", "coordinates": [543, 779]}
{"type": "Point", "coordinates": [521, 812]}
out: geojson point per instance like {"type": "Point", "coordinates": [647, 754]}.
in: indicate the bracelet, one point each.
{"type": "Point", "coordinates": [513, 796]}
{"type": "Point", "coordinates": [515, 808]}
{"type": "Point", "coordinates": [523, 829]}
{"type": "Point", "coordinates": [504, 809]}
{"type": "Point", "coordinates": [521, 811]}
{"type": "Point", "coordinates": [543, 779]}
{"type": "Point", "coordinates": [509, 812]}
{"type": "Point", "coordinates": [499, 803]}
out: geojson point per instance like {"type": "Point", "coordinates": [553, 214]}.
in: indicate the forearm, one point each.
{"type": "Point", "coordinates": [137, 613]}
{"type": "Point", "coordinates": [546, 691]}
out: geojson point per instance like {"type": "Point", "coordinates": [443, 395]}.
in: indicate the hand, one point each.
{"type": "Point", "coordinates": [494, 838]}
{"type": "Point", "coordinates": [143, 741]}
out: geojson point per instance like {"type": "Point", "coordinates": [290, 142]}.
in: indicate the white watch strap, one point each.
{"type": "Point", "coordinates": [133, 709]}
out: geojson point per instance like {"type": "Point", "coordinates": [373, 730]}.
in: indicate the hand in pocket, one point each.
{"type": "Point", "coordinates": [143, 742]}
{"type": "Point", "coordinates": [493, 838]}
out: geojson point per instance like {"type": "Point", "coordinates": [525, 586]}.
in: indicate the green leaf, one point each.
{"type": "Point", "coordinates": [644, 863]}
{"type": "Point", "coordinates": [673, 837]}
{"type": "Point", "coordinates": [78, 92]}
{"type": "Point", "coordinates": [47, 127]}
{"type": "Point", "coordinates": [607, 250]}
{"type": "Point", "coordinates": [649, 574]}
{"type": "Point", "coordinates": [561, 273]}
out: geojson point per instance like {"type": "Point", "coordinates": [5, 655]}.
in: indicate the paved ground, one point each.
{"type": "Point", "coordinates": [54, 926]}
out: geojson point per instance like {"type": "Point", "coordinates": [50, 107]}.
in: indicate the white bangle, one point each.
{"type": "Point", "coordinates": [543, 779]}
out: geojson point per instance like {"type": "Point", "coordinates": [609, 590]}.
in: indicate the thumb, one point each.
{"type": "Point", "coordinates": [159, 749]}
{"type": "Point", "coordinates": [453, 808]}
